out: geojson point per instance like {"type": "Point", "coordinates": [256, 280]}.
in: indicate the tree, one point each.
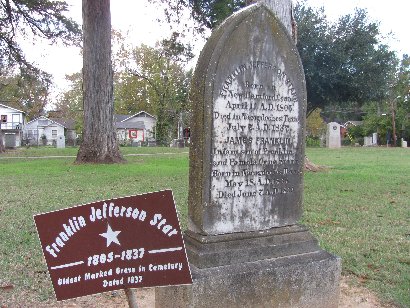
{"type": "Point", "coordinates": [99, 136]}
{"type": "Point", "coordinates": [155, 81]}
{"type": "Point", "coordinates": [345, 61]}
{"type": "Point", "coordinates": [25, 92]}
{"type": "Point", "coordinates": [40, 18]}
{"type": "Point", "coordinates": [70, 103]}
{"type": "Point", "coordinates": [391, 117]}
{"type": "Point", "coordinates": [401, 99]}
{"type": "Point", "coordinates": [315, 126]}
{"type": "Point", "coordinates": [210, 13]}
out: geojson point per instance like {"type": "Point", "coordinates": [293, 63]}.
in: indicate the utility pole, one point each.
{"type": "Point", "coordinates": [393, 115]}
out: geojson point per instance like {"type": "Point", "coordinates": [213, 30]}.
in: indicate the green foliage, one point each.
{"type": "Point", "coordinates": [315, 126]}
{"type": "Point", "coordinates": [28, 18]}
{"type": "Point", "coordinates": [207, 13]}
{"type": "Point", "coordinates": [28, 88]}
{"type": "Point", "coordinates": [401, 102]}
{"type": "Point", "coordinates": [70, 103]}
{"type": "Point", "coordinates": [26, 91]}
{"type": "Point", "coordinates": [346, 141]}
{"type": "Point", "coordinates": [356, 131]}
{"type": "Point", "coordinates": [210, 13]}
{"type": "Point", "coordinates": [344, 61]}
{"type": "Point", "coordinates": [312, 141]}
{"type": "Point", "coordinates": [154, 80]}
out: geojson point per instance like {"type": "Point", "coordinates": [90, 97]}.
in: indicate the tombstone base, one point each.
{"type": "Point", "coordinates": [295, 275]}
{"type": "Point", "coordinates": [226, 249]}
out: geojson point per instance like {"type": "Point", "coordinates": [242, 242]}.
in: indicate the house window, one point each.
{"type": "Point", "coordinates": [3, 118]}
{"type": "Point", "coordinates": [54, 133]}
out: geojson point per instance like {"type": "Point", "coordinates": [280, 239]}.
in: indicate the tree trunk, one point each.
{"type": "Point", "coordinates": [99, 136]}
{"type": "Point", "coordinates": [283, 9]}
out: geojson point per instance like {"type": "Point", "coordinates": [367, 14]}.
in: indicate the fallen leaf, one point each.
{"type": "Point", "coordinates": [7, 287]}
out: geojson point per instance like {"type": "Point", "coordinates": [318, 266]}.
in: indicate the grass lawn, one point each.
{"type": "Point", "coordinates": [359, 209]}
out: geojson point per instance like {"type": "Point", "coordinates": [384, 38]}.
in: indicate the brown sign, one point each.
{"type": "Point", "coordinates": [130, 242]}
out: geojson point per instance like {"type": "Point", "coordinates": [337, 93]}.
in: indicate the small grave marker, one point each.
{"type": "Point", "coordinates": [333, 139]}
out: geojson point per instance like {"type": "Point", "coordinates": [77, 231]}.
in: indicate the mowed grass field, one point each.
{"type": "Point", "coordinates": [359, 209]}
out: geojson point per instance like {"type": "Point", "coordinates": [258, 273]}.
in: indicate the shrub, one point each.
{"type": "Point", "coordinates": [312, 141]}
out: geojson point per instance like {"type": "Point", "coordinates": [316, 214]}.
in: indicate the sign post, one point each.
{"type": "Point", "coordinates": [124, 243]}
{"type": "Point", "coordinates": [132, 303]}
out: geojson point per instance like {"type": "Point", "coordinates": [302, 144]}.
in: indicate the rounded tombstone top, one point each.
{"type": "Point", "coordinates": [249, 105]}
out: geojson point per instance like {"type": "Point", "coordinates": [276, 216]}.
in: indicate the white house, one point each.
{"type": "Point", "coordinates": [134, 128]}
{"type": "Point", "coordinates": [11, 123]}
{"type": "Point", "coordinates": [45, 131]}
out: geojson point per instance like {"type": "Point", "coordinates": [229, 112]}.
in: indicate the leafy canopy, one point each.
{"type": "Point", "coordinates": [344, 61]}
{"type": "Point", "coordinates": [28, 88]}
{"type": "Point", "coordinates": [25, 19]}
{"type": "Point", "coordinates": [155, 81]}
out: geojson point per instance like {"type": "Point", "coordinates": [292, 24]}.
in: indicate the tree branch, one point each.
{"type": "Point", "coordinates": [139, 75]}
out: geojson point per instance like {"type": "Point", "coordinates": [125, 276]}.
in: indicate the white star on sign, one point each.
{"type": "Point", "coordinates": [111, 236]}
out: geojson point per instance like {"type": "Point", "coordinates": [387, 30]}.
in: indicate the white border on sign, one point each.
{"type": "Point", "coordinates": [155, 251]}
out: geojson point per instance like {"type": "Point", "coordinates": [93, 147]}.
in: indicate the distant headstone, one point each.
{"type": "Point", "coordinates": [368, 141]}
{"type": "Point", "coordinates": [374, 139]}
{"type": "Point", "coordinates": [403, 143]}
{"type": "Point", "coordinates": [246, 182]}
{"type": "Point", "coordinates": [61, 142]}
{"type": "Point", "coordinates": [333, 139]}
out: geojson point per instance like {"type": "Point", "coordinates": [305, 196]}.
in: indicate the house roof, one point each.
{"type": "Point", "coordinates": [45, 118]}
{"type": "Point", "coordinates": [5, 106]}
{"type": "Point", "coordinates": [133, 125]}
{"type": "Point", "coordinates": [67, 123]}
{"type": "Point", "coordinates": [120, 117]}
{"type": "Point", "coordinates": [123, 118]}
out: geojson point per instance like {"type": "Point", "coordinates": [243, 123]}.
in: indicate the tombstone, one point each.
{"type": "Point", "coordinates": [368, 141]}
{"type": "Point", "coordinates": [374, 139]}
{"type": "Point", "coordinates": [333, 139]}
{"type": "Point", "coordinates": [403, 143]}
{"type": "Point", "coordinates": [61, 142]}
{"type": "Point", "coordinates": [244, 245]}
{"type": "Point", "coordinates": [10, 141]}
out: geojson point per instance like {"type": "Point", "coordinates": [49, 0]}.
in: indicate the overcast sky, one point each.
{"type": "Point", "coordinates": [140, 19]}
{"type": "Point", "coordinates": [393, 16]}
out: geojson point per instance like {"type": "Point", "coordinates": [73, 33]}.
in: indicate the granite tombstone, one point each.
{"type": "Point", "coordinates": [333, 139]}
{"type": "Point", "coordinates": [61, 142]}
{"type": "Point", "coordinates": [374, 135]}
{"type": "Point", "coordinates": [246, 183]}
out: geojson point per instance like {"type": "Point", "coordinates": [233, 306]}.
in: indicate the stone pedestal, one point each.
{"type": "Point", "coordinates": [282, 267]}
